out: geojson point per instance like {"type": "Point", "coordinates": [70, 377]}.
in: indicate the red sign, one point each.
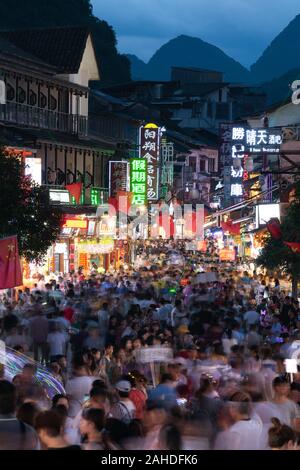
{"type": "Point", "coordinates": [75, 190]}
{"type": "Point", "coordinates": [226, 254]}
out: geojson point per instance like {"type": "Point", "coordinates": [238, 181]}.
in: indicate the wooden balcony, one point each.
{"type": "Point", "coordinates": [33, 117]}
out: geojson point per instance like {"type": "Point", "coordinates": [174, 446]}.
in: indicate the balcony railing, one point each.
{"type": "Point", "coordinates": [31, 116]}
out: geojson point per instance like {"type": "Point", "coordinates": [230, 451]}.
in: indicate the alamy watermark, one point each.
{"type": "Point", "coordinates": [153, 221]}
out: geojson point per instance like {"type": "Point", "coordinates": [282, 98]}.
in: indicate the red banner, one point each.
{"type": "Point", "coordinates": [295, 247]}
{"type": "Point", "coordinates": [10, 266]}
{"type": "Point", "coordinates": [75, 190]}
{"type": "Point", "coordinates": [233, 229]}
{"type": "Point", "coordinates": [274, 228]}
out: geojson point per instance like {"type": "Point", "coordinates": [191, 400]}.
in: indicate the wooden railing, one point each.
{"type": "Point", "coordinates": [31, 116]}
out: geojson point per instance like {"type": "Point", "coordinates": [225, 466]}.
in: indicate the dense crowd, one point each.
{"type": "Point", "coordinates": [229, 331]}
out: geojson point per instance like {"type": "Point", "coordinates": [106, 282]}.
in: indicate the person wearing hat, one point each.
{"type": "Point", "coordinates": [123, 409]}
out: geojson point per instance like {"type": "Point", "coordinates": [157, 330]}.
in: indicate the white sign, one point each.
{"type": "Point", "coordinates": [2, 92]}
{"type": "Point", "coordinates": [266, 212]}
{"type": "Point", "coordinates": [60, 248]}
{"type": "Point", "coordinates": [154, 354]}
{"type": "Point", "coordinates": [96, 248]}
{"type": "Point", "coordinates": [2, 353]}
{"type": "Point", "coordinates": [33, 168]}
{"type": "Point", "coordinates": [291, 366]}
{"type": "Point", "coordinates": [61, 196]}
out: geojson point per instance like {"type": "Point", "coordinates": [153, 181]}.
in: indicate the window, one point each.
{"type": "Point", "coordinates": [53, 103]}
{"type": "Point", "coordinates": [196, 110]}
{"type": "Point", "coordinates": [10, 92]}
{"type": "Point", "coordinates": [192, 164]}
{"type": "Point", "coordinates": [202, 166]}
{"type": "Point", "coordinates": [43, 100]}
{"type": "Point", "coordinates": [211, 165]}
{"type": "Point", "coordinates": [21, 95]}
{"type": "Point", "coordinates": [209, 109]}
{"type": "Point", "coordinates": [32, 98]}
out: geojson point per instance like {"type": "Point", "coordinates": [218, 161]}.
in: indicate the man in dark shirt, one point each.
{"type": "Point", "coordinates": [10, 320]}
{"type": "Point", "coordinates": [14, 434]}
{"type": "Point", "coordinates": [49, 426]}
{"type": "Point", "coordinates": [39, 328]}
{"type": "Point", "coordinates": [286, 308]}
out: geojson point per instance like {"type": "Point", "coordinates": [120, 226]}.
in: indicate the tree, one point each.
{"type": "Point", "coordinates": [25, 209]}
{"type": "Point", "coordinates": [275, 254]}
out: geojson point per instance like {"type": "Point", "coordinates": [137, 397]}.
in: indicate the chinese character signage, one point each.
{"type": "Point", "coordinates": [138, 181]}
{"type": "Point", "coordinates": [264, 140]}
{"type": "Point", "coordinates": [225, 159]}
{"type": "Point", "coordinates": [150, 150]}
{"type": "Point", "coordinates": [236, 143]}
{"type": "Point", "coordinates": [118, 177]}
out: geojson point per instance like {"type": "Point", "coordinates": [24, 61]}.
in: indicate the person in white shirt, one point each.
{"type": "Point", "coordinates": [78, 388]}
{"type": "Point", "coordinates": [124, 409]}
{"type": "Point", "coordinates": [57, 341]}
{"type": "Point", "coordinates": [245, 433]}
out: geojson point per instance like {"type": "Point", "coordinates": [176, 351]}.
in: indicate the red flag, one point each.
{"type": "Point", "coordinates": [228, 226]}
{"type": "Point", "coordinates": [295, 247]}
{"type": "Point", "coordinates": [274, 228]}
{"type": "Point", "coordinates": [10, 266]}
{"type": "Point", "coordinates": [75, 190]}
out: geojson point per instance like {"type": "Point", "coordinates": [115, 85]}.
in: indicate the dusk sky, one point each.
{"type": "Point", "coordinates": [242, 28]}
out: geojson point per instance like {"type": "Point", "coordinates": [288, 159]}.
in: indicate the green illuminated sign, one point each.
{"type": "Point", "coordinates": [138, 181]}
{"type": "Point", "coordinates": [95, 196]}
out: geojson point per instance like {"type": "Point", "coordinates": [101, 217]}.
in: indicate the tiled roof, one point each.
{"type": "Point", "coordinates": [61, 47]}
{"type": "Point", "coordinates": [9, 49]}
{"type": "Point", "coordinates": [199, 89]}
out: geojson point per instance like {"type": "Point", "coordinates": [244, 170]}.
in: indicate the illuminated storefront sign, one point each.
{"type": "Point", "coordinates": [60, 196]}
{"type": "Point", "coordinates": [118, 177]}
{"type": "Point", "coordinates": [95, 196]}
{"type": "Point", "coordinates": [262, 140]}
{"type": "Point", "coordinates": [236, 143]}
{"type": "Point", "coordinates": [226, 254]}
{"type": "Point", "coordinates": [138, 181]}
{"type": "Point", "coordinates": [107, 226]}
{"type": "Point", "coordinates": [150, 150]}
{"type": "Point", "coordinates": [103, 246]}
{"type": "Point", "coordinates": [75, 223]}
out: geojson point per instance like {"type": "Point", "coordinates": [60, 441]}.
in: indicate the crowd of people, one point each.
{"type": "Point", "coordinates": [226, 333]}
